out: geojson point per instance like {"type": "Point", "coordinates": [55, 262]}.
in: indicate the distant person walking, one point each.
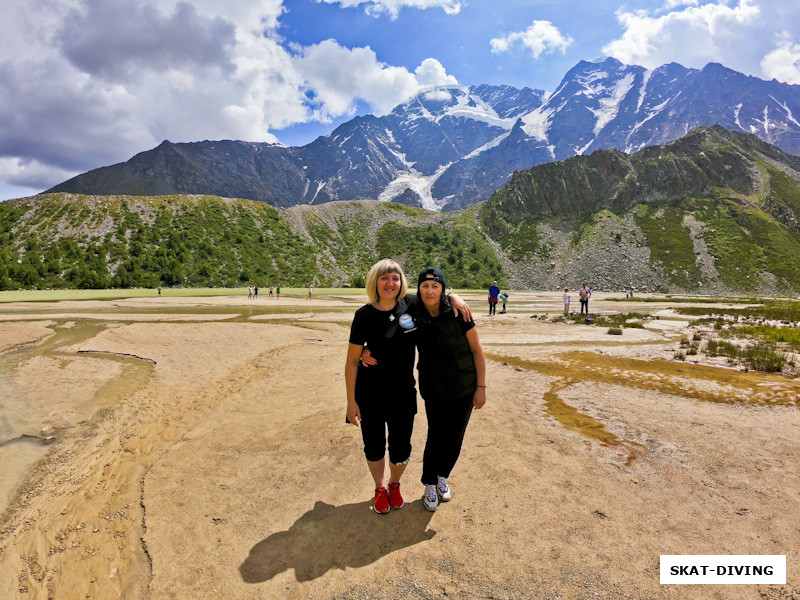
{"type": "Point", "coordinates": [566, 302]}
{"type": "Point", "coordinates": [255, 293]}
{"type": "Point", "coordinates": [310, 290]}
{"type": "Point", "coordinates": [159, 290]}
{"type": "Point", "coordinates": [494, 293]}
{"type": "Point", "coordinates": [583, 295]}
{"type": "Point", "coordinates": [278, 292]}
{"type": "Point", "coordinates": [249, 292]}
{"type": "Point", "coordinates": [271, 289]}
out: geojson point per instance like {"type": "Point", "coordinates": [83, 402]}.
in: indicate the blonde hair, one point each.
{"type": "Point", "coordinates": [382, 267]}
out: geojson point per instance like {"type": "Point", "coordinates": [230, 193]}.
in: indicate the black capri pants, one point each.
{"type": "Point", "coordinates": [395, 415]}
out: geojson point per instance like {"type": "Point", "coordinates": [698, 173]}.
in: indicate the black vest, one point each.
{"type": "Point", "coordinates": [446, 366]}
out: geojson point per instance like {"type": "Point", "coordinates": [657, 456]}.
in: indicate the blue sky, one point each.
{"type": "Point", "coordinates": [87, 83]}
{"type": "Point", "coordinates": [459, 42]}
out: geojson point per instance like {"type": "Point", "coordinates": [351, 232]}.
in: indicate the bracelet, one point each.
{"type": "Point", "coordinates": [483, 386]}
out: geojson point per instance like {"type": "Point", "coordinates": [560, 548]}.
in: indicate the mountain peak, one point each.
{"type": "Point", "coordinates": [454, 145]}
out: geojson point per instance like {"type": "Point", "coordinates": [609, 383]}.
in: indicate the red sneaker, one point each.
{"type": "Point", "coordinates": [395, 497]}
{"type": "Point", "coordinates": [381, 501]}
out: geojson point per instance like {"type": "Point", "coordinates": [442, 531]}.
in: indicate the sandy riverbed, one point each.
{"type": "Point", "coordinates": [206, 456]}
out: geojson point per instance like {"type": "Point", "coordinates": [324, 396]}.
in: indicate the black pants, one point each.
{"type": "Point", "coordinates": [447, 423]}
{"type": "Point", "coordinates": [585, 306]}
{"type": "Point", "coordinates": [492, 307]}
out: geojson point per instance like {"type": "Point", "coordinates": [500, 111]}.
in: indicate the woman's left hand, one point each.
{"type": "Point", "coordinates": [460, 307]}
{"type": "Point", "coordinates": [479, 398]}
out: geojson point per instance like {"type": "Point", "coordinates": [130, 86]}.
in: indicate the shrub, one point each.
{"type": "Point", "coordinates": [680, 356]}
{"type": "Point", "coordinates": [614, 331]}
{"type": "Point", "coordinates": [761, 357]}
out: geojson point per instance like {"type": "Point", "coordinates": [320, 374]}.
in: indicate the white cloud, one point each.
{"type": "Point", "coordinates": [86, 83]}
{"type": "Point", "coordinates": [783, 63]}
{"type": "Point", "coordinates": [692, 36]}
{"type": "Point", "coordinates": [670, 4]}
{"type": "Point", "coordinates": [750, 36]}
{"type": "Point", "coordinates": [432, 73]}
{"type": "Point", "coordinates": [392, 7]}
{"type": "Point", "coordinates": [438, 95]}
{"type": "Point", "coordinates": [339, 76]}
{"type": "Point", "coordinates": [541, 37]}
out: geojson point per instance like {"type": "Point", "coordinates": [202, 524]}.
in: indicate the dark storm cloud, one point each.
{"type": "Point", "coordinates": [61, 121]}
{"type": "Point", "coordinates": [113, 38]}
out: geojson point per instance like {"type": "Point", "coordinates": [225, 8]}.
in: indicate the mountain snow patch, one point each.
{"type": "Point", "coordinates": [488, 146]}
{"type": "Point", "coordinates": [537, 122]}
{"type": "Point", "coordinates": [786, 108]}
{"type": "Point", "coordinates": [609, 106]}
{"type": "Point", "coordinates": [736, 115]}
{"type": "Point", "coordinates": [643, 90]}
{"type": "Point", "coordinates": [417, 183]}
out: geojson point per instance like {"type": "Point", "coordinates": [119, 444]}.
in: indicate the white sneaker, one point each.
{"type": "Point", "coordinates": [443, 490]}
{"type": "Point", "coordinates": [431, 498]}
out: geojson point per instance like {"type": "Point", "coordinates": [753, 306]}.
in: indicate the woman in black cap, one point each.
{"type": "Point", "coordinates": [452, 381]}
{"type": "Point", "coordinates": [382, 397]}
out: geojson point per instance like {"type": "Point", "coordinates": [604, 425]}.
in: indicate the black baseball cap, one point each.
{"type": "Point", "coordinates": [431, 274]}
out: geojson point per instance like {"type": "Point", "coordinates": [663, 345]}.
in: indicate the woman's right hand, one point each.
{"type": "Point", "coordinates": [479, 398]}
{"type": "Point", "coordinates": [353, 414]}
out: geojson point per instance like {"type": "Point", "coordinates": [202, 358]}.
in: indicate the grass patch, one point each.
{"type": "Point", "coordinates": [784, 311]}
{"type": "Point", "coordinates": [670, 243]}
{"type": "Point", "coordinates": [762, 357]}
{"type": "Point", "coordinates": [757, 356]}
{"type": "Point", "coordinates": [616, 321]}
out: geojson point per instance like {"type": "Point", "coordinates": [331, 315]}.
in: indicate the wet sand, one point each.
{"type": "Point", "coordinates": [200, 452]}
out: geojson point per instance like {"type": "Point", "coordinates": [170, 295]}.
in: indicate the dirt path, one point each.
{"type": "Point", "coordinates": [227, 471]}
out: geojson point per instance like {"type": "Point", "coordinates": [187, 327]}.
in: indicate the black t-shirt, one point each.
{"type": "Point", "coordinates": [389, 335]}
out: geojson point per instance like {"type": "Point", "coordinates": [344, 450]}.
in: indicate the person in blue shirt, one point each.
{"type": "Point", "coordinates": [494, 293]}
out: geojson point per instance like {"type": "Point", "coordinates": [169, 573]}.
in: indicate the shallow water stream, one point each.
{"type": "Point", "coordinates": [703, 383]}
{"type": "Point", "coordinates": [23, 439]}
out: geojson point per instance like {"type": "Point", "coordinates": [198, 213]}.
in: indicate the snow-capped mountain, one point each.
{"type": "Point", "coordinates": [450, 147]}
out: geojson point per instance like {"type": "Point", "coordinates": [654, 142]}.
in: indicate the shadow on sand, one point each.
{"type": "Point", "coordinates": [334, 537]}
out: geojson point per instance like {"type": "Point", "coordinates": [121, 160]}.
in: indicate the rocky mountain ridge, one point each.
{"type": "Point", "coordinates": [714, 210]}
{"type": "Point", "coordinates": [451, 147]}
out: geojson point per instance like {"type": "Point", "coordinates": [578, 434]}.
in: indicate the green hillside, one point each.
{"type": "Point", "coordinates": [71, 241]}
{"type": "Point", "coordinates": [714, 212]}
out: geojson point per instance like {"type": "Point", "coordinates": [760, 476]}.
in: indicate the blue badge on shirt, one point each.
{"type": "Point", "coordinates": [406, 321]}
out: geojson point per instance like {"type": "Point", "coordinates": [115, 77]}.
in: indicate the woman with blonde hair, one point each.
{"type": "Point", "coordinates": [383, 397]}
